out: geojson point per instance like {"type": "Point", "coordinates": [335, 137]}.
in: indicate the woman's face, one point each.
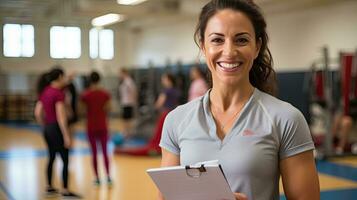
{"type": "Point", "coordinates": [165, 81]}
{"type": "Point", "coordinates": [230, 47]}
{"type": "Point", "coordinates": [63, 80]}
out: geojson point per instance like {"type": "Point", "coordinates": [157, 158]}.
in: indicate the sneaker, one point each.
{"type": "Point", "coordinates": [339, 150]}
{"type": "Point", "coordinates": [97, 182]}
{"type": "Point", "coordinates": [70, 195]}
{"type": "Point", "coordinates": [109, 181]}
{"type": "Point", "coordinates": [51, 192]}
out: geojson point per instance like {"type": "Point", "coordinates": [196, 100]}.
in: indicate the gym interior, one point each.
{"type": "Point", "coordinates": [313, 44]}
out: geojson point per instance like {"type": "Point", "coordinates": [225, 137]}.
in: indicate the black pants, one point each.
{"type": "Point", "coordinates": [55, 143]}
{"type": "Point", "coordinates": [127, 112]}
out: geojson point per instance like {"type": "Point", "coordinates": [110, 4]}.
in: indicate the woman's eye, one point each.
{"type": "Point", "coordinates": [217, 40]}
{"type": "Point", "coordinates": [242, 40]}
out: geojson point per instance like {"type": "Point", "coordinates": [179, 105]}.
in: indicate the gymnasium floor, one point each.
{"type": "Point", "coordinates": [23, 161]}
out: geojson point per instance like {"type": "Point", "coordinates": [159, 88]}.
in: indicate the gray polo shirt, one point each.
{"type": "Point", "coordinates": [267, 131]}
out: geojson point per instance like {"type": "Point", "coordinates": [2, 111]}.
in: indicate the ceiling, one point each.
{"type": "Point", "coordinates": [82, 11]}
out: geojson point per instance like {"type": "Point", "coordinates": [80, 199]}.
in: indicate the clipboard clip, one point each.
{"type": "Point", "coordinates": [195, 172]}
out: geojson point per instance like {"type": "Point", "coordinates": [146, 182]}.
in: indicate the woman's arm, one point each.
{"type": "Point", "coordinates": [168, 159]}
{"type": "Point", "coordinates": [299, 176]}
{"type": "Point", "coordinates": [108, 106]}
{"type": "Point", "coordinates": [39, 113]}
{"type": "Point", "coordinates": [160, 101]}
{"type": "Point", "coordinates": [62, 122]}
{"type": "Point", "coordinates": [82, 108]}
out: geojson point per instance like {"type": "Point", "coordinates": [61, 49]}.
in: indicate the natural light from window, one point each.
{"type": "Point", "coordinates": [18, 40]}
{"type": "Point", "coordinates": [101, 44]}
{"type": "Point", "coordinates": [65, 42]}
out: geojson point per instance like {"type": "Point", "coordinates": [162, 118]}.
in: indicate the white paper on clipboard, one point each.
{"type": "Point", "coordinates": [202, 181]}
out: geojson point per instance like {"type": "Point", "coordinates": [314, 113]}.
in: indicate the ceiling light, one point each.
{"type": "Point", "coordinates": [130, 2]}
{"type": "Point", "coordinates": [107, 19]}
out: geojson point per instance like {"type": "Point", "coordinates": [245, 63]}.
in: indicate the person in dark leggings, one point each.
{"type": "Point", "coordinates": [50, 113]}
{"type": "Point", "coordinates": [97, 104]}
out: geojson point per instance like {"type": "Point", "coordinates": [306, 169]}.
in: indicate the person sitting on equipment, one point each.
{"type": "Point", "coordinates": [342, 127]}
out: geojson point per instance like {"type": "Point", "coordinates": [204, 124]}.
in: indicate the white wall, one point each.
{"type": "Point", "coordinates": [42, 61]}
{"type": "Point", "coordinates": [296, 38]}
{"type": "Point", "coordinates": [172, 42]}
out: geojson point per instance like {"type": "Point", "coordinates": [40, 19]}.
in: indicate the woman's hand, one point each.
{"type": "Point", "coordinates": [67, 141]}
{"type": "Point", "coordinates": [240, 196]}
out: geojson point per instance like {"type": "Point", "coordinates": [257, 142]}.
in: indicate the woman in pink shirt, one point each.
{"type": "Point", "coordinates": [198, 86]}
{"type": "Point", "coordinates": [51, 114]}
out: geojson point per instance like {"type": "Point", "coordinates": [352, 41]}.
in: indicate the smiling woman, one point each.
{"type": "Point", "coordinates": [255, 136]}
{"type": "Point", "coordinates": [230, 48]}
{"type": "Point", "coordinates": [252, 31]}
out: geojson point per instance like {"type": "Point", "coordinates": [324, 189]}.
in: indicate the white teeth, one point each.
{"type": "Point", "coordinates": [229, 65]}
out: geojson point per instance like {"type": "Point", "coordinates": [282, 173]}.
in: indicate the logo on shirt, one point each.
{"type": "Point", "coordinates": [247, 132]}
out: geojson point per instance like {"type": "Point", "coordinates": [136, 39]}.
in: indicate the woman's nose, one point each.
{"type": "Point", "coordinates": [229, 49]}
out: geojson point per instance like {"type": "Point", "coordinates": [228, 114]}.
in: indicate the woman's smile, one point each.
{"type": "Point", "coordinates": [229, 66]}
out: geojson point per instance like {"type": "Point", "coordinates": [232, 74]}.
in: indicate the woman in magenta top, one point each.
{"type": "Point", "coordinates": [50, 113]}
{"type": "Point", "coordinates": [97, 101]}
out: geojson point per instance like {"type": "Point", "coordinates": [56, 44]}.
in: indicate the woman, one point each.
{"type": "Point", "coordinates": [128, 100]}
{"type": "Point", "coordinates": [255, 136]}
{"type": "Point", "coordinates": [50, 113]}
{"type": "Point", "coordinates": [169, 97]}
{"type": "Point", "coordinates": [167, 101]}
{"type": "Point", "coordinates": [341, 128]}
{"type": "Point", "coordinates": [97, 101]}
{"type": "Point", "coordinates": [198, 86]}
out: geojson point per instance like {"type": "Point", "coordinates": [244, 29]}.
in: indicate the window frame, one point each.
{"type": "Point", "coordinates": [99, 44]}
{"type": "Point", "coordinates": [63, 36]}
{"type": "Point", "coordinates": [22, 41]}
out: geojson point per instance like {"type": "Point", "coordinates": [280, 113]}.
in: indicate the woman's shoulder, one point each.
{"type": "Point", "coordinates": [278, 108]}
{"type": "Point", "coordinates": [96, 92]}
{"type": "Point", "coordinates": [54, 91]}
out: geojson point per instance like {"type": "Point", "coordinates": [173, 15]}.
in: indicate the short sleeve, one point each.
{"type": "Point", "coordinates": [59, 97]}
{"type": "Point", "coordinates": [169, 138]}
{"type": "Point", "coordinates": [296, 137]}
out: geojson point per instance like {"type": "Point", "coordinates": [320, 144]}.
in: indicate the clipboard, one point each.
{"type": "Point", "coordinates": [197, 182]}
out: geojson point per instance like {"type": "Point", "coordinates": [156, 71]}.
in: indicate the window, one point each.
{"type": "Point", "coordinates": [18, 40]}
{"type": "Point", "coordinates": [101, 44]}
{"type": "Point", "coordinates": [65, 42]}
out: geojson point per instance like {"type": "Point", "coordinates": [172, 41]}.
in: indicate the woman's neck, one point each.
{"type": "Point", "coordinates": [94, 86]}
{"type": "Point", "coordinates": [56, 84]}
{"type": "Point", "coordinates": [225, 98]}
{"type": "Point", "coordinates": [169, 86]}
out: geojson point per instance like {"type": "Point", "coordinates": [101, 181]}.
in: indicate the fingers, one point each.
{"type": "Point", "coordinates": [67, 142]}
{"type": "Point", "coordinates": [67, 145]}
{"type": "Point", "coordinates": [240, 196]}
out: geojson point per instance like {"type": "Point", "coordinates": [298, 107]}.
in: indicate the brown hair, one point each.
{"type": "Point", "coordinates": [171, 78]}
{"type": "Point", "coordinates": [262, 74]}
{"type": "Point", "coordinates": [124, 71]}
{"type": "Point", "coordinates": [47, 77]}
